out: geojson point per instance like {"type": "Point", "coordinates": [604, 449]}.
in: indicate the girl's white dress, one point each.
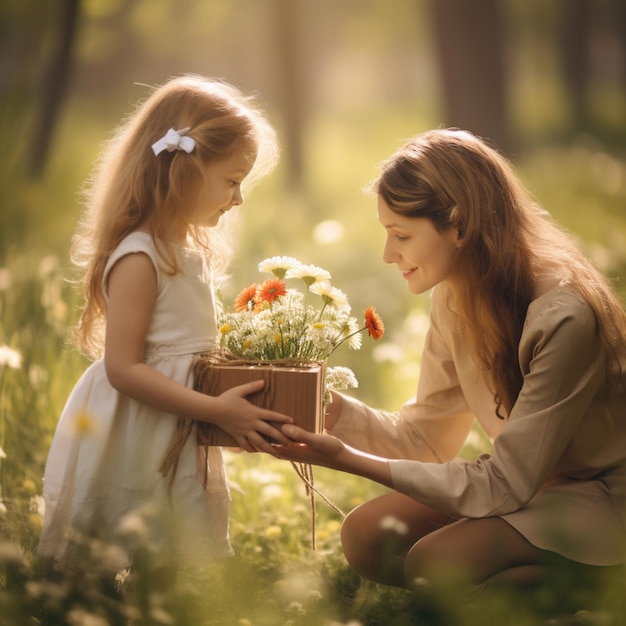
{"type": "Point", "coordinates": [101, 477]}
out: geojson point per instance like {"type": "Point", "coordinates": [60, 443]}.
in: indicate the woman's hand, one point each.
{"type": "Point", "coordinates": [247, 423]}
{"type": "Point", "coordinates": [328, 451]}
{"type": "Point", "coordinates": [306, 447]}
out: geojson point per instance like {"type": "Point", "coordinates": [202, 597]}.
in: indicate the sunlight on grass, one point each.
{"type": "Point", "coordinates": [275, 577]}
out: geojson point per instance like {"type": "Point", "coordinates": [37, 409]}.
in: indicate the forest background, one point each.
{"type": "Point", "coordinates": [345, 82]}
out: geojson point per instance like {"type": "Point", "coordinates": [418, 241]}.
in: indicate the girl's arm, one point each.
{"type": "Point", "coordinates": [132, 290]}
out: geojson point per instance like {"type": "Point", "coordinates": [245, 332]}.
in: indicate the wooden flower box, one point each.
{"type": "Point", "coordinates": [295, 390]}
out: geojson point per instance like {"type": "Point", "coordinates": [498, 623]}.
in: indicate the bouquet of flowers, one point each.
{"type": "Point", "coordinates": [273, 322]}
{"type": "Point", "coordinates": [283, 335]}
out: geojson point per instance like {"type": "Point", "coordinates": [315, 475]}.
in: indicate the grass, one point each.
{"type": "Point", "coordinates": [275, 577]}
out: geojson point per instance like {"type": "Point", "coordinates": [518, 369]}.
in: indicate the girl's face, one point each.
{"type": "Point", "coordinates": [423, 254]}
{"type": "Point", "coordinates": [222, 187]}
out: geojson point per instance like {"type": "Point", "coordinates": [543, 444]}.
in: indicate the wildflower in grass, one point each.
{"type": "Point", "coordinates": [35, 521]}
{"type": "Point", "coordinates": [37, 505]}
{"type": "Point", "coordinates": [37, 376]}
{"type": "Point", "coordinates": [10, 358]}
{"type": "Point", "coordinates": [113, 558]}
{"type": "Point", "coordinates": [82, 424]}
{"type": "Point", "coordinates": [48, 265]}
{"type": "Point", "coordinates": [6, 279]}
{"type": "Point", "coordinates": [29, 486]}
{"type": "Point", "coordinates": [273, 532]}
{"type": "Point", "coordinates": [10, 553]}
{"type": "Point", "coordinates": [333, 525]}
{"type": "Point", "coordinates": [133, 526]}
{"type": "Point", "coordinates": [393, 524]}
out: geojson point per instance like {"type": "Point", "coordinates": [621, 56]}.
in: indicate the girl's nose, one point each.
{"type": "Point", "coordinates": [237, 197]}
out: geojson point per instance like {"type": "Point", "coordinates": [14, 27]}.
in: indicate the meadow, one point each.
{"type": "Point", "coordinates": [275, 577]}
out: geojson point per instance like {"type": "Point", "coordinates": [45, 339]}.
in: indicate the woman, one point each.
{"type": "Point", "coordinates": [528, 338]}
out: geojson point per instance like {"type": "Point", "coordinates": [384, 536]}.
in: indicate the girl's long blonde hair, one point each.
{"type": "Point", "coordinates": [131, 185]}
{"type": "Point", "coordinates": [508, 244]}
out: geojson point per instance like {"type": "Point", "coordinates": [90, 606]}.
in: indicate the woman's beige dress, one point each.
{"type": "Point", "coordinates": [557, 471]}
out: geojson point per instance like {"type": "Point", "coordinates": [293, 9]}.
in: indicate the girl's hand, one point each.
{"type": "Point", "coordinates": [247, 423]}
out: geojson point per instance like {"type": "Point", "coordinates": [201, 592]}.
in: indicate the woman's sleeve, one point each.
{"type": "Point", "coordinates": [563, 371]}
{"type": "Point", "coordinates": [431, 427]}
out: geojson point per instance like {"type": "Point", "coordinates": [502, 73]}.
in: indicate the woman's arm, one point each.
{"type": "Point", "coordinates": [132, 290]}
{"type": "Point", "coordinates": [330, 452]}
{"type": "Point", "coordinates": [564, 372]}
{"type": "Point", "coordinates": [434, 425]}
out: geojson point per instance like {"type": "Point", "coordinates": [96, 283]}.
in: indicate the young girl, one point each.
{"type": "Point", "coordinates": [528, 338]}
{"type": "Point", "coordinates": [149, 248]}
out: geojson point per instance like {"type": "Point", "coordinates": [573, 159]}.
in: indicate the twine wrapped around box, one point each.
{"type": "Point", "coordinates": [292, 387]}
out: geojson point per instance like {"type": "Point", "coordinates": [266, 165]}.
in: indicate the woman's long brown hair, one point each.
{"type": "Point", "coordinates": [508, 244]}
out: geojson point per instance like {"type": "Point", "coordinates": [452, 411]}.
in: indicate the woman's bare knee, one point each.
{"type": "Point", "coordinates": [377, 535]}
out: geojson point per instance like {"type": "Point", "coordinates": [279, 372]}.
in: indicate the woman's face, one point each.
{"type": "Point", "coordinates": [423, 255]}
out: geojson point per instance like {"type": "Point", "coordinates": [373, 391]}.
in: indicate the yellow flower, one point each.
{"type": "Point", "coordinates": [225, 329]}
{"type": "Point", "coordinates": [273, 532]}
{"type": "Point", "coordinates": [278, 338]}
{"type": "Point", "coordinates": [244, 621]}
{"type": "Point", "coordinates": [246, 344]}
{"type": "Point", "coordinates": [318, 325]}
{"type": "Point", "coordinates": [29, 487]}
{"type": "Point", "coordinates": [333, 525]}
{"type": "Point", "coordinates": [83, 424]}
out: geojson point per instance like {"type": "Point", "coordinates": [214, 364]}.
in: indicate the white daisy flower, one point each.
{"type": "Point", "coordinates": [10, 357]}
{"type": "Point", "coordinates": [330, 295]}
{"type": "Point", "coordinates": [310, 274]}
{"type": "Point", "coordinates": [393, 524]}
{"type": "Point", "coordinates": [278, 265]}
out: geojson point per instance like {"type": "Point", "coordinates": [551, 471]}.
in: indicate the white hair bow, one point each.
{"type": "Point", "coordinates": [174, 140]}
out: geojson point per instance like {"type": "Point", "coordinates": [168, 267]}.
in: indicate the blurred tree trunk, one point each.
{"type": "Point", "coordinates": [54, 87]}
{"type": "Point", "coordinates": [575, 40]}
{"type": "Point", "coordinates": [593, 51]}
{"type": "Point", "coordinates": [470, 44]}
{"type": "Point", "coordinates": [288, 22]}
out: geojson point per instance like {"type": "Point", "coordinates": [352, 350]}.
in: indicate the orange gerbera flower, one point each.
{"type": "Point", "coordinates": [271, 289]}
{"type": "Point", "coordinates": [374, 324]}
{"type": "Point", "coordinates": [246, 299]}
